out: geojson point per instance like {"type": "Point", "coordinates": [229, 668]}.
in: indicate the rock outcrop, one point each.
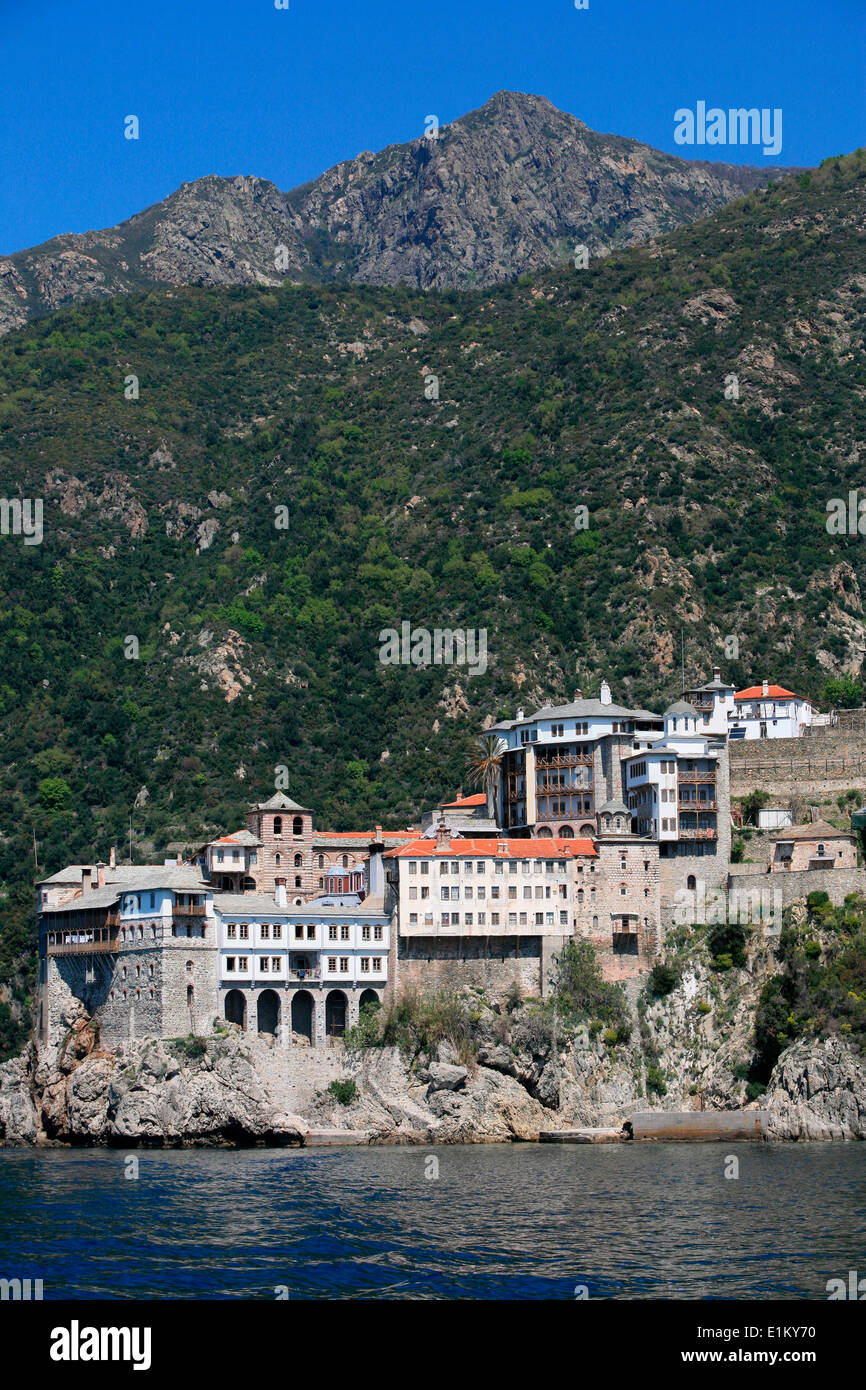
{"type": "Point", "coordinates": [817, 1091]}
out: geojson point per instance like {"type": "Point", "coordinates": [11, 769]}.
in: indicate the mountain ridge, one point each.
{"type": "Point", "coordinates": [503, 190]}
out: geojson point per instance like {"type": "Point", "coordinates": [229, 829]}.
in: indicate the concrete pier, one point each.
{"type": "Point", "coordinates": [697, 1126]}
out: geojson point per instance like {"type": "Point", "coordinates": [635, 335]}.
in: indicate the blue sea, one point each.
{"type": "Point", "coordinates": [521, 1221]}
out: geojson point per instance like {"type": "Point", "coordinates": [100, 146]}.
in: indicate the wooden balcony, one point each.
{"type": "Point", "coordinates": [697, 833]}
{"type": "Point", "coordinates": [686, 805]}
{"type": "Point", "coordinates": [185, 910]}
{"type": "Point", "coordinates": [94, 942]}
{"type": "Point", "coordinates": [693, 778]}
{"type": "Point", "coordinates": [571, 760]}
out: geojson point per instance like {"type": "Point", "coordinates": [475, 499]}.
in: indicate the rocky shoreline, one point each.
{"type": "Point", "coordinates": [236, 1089]}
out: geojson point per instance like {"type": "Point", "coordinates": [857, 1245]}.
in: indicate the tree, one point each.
{"type": "Point", "coordinates": [843, 692]}
{"type": "Point", "coordinates": [485, 767]}
{"type": "Point", "coordinates": [54, 793]}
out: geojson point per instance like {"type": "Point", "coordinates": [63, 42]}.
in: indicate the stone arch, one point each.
{"type": "Point", "coordinates": [691, 883]}
{"type": "Point", "coordinates": [278, 825]}
{"type": "Point", "coordinates": [336, 1012]}
{"type": "Point", "coordinates": [299, 859]}
{"type": "Point", "coordinates": [368, 996]}
{"type": "Point", "coordinates": [298, 825]}
{"type": "Point", "coordinates": [236, 1008]}
{"type": "Point", "coordinates": [268, 1011]}
{"type": "Point", "coordinates": [544, 832]}
{"type": "Point", "coordinates": [566, 832]}
{"type": "Point", "coordinates": [302, 1013]}
{"type": "Point", "coordinates": [587, 830]}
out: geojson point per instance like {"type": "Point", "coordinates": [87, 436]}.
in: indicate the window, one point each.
{"type": "Point", "coordinates": [278, 932]}
{"type": "Point", "coordinates": [332, 933]}
{"type": "Point", "coordinates": [365, 933]}
{"type": "Point", "coordinates": [332, 965]}
{"type": "Point", "coordinates": [494, 919]}
{"type": "Point", "coordinates": [469, 919]}
{"type": "Point", "coordinates": [481, 866]}
{"type": "Point", "coordinates": [365, 965]}
{"type": "Point", "coordinates": [264, 965]}
{"type": "Point", "coordinates": [311, 932]}
{"type": "Point", "coordinates": [379, 933]}
{"type": "Point", "coordinates": [298, 826]}
{"type": "Point", "coordinates": [344, 933]}
{"type": "Point", "coordinates": [344, 965]}
{"type": "Point", "coordinates": [413, 866]}
{"type": "Point", "coordinates": [244, 931]}
{"type": "Point", "coordinates": [299, 859]}
{"type": "Point", "coordinates": [425, 866]}
{"type": "Point", "coordinates": [266, 931]}
{"type": "Point", "coordinates": [278, 825]}
{"type": "Point", "coordinates": [413, 895]}
{"type": "Point", "coordinates": [276, 965]}
{"type": "Point", "coordinates": [243, 963]}
{"type": "Point", "coordinates": [231, 931]}
{"type": "Point", "coordinates": [691, 883]}
{"type": "Point", "coordinates": [299, 932]}
{"type": "Point", "coordinates": [321, 861]}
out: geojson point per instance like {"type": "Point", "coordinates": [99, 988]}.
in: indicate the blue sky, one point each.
{"type": "Point", "coordinates": [238, 87]}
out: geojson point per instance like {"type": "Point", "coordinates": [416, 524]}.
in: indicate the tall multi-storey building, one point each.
{"type": "Point", "coordinates": [562, 763]}
{"type": "Point", "coordinates": [678, 793]}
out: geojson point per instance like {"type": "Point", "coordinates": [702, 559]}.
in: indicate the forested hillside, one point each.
{"type": "Point", "coordinates": [282, 490]}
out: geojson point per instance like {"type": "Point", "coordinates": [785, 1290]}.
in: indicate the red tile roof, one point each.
{"type": "Point", "coordinates": [774, 692]}
{"type": "Point", "coordinates": [478, 800]}
{"type": "Point", "coordinates": [490, 848]}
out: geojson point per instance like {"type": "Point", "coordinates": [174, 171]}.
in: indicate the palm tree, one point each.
{"type": "Point", "coordinates": [485, 767]}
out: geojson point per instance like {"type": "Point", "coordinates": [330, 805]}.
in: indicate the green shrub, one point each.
{"type": "Point", "coordinates": [655, 1081]}
{"type": "Point", "coordinates": [703, 1007]}
{"type": "Point", "coordinates": [344, 1091]}
{"type": "Point", "coordinates": [663, 978]}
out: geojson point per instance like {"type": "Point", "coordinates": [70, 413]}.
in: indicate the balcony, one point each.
{"type": "Point", "coordinates": [305, 975]}
{"type": "Point", "coordinates": [686, 804]}
{"type": "Point", "coordinates": [98, 941]}
{"type": "Point", "coordinates": [693, 778]}
{"type": "Point", "coordinates": [567, 760]}
{"type": "Point", "coordinates": [187, 911]}
{"type": "Point", "coordinates": [697, 833]}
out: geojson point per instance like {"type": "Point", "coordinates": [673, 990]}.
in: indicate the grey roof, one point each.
{"type": "Point", "coordinates": [814, 830]}
{"type": "Point", "coordinates": [682, 707]}
{"type": "Point", "coordinates": [71, 874]}
{"type": "Point", "coordinates": [615, 806]}
{"type": "Point", "coordinates": [260, 905]}
{"type": "Point", "coordinates": [128, 878]}
{"type": "Point", "coordinates": [712, 685]}
{"type": "Point", "coordinates": [577, 709]}
{"type": "Point", "coordinates": [237, 837]}
{"type": "Point", "coordinates": [279, 802]}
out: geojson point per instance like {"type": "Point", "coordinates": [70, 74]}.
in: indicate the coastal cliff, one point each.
{"type": "Point", "coordinates": [237, 1089]}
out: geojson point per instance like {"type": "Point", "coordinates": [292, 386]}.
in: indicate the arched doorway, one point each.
{"type": "Point", "coordinates": [335, 1013]}
{"type": "Point", "coordinates": [369, 996]}
{"type": "Point", "coordinates": [236, 1008]}
{"type": "Point", "coordinates": [268, 1011]}
{"type": "Point", "coordinates": [302, 1014]}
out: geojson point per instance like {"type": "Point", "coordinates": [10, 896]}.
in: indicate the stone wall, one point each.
{"type": "Point", "coordinates": [803, 767]}
{"type": "Point", "coordinates": [492, 963]}
{"type": "Point", "coordinates": [794, 885]}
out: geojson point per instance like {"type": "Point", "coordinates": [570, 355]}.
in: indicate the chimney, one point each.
{"type": "Point", "coordinates": [100, 875]}
{"type": "Point", "coordinates": [766, 689]}
{"type": "Point", "coordinates": [85, 879]}
{"type": "Point", "coordinates": [717, 673]}
{"type": "Point", "coordinates": [519, 713]}
{"type": "Point", "coordinates": [280, 892]}
{"type": "Point", "coordinates": [813, 812]}
{"type": "Point", "coordinates": [604, 694]}
{"type": "Point", "coordinates": [376, 871]}
{"type": "Point", "coordinates": [112, 858]}
{"type": "Point", "coordinates": [578, 694]}
{"type": "Point", "coordinates": [443, 836]}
